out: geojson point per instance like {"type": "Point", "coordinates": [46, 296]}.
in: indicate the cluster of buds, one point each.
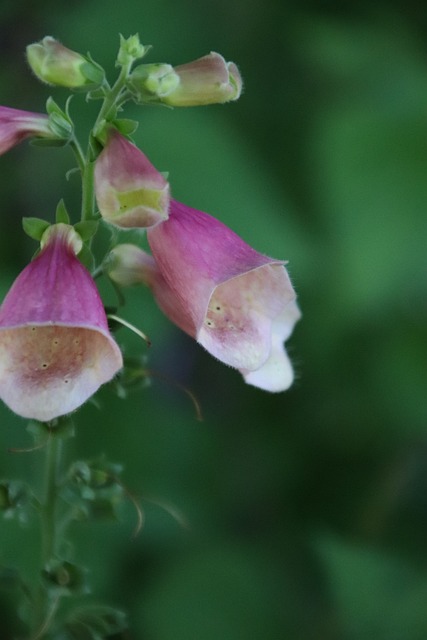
{"type": "Point", "coordinates": [56, 348]}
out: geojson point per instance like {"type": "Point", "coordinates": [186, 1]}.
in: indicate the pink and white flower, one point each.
{"type": "Point", "coordinates": [237, 303]}
{"type": "Point", "coordinates": [130, 192]}
{"type": "Point", "coordinates": [55, 346]}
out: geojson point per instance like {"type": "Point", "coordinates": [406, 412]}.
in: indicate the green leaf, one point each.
{"type": "Point", "coordinates": [35, 227]}
{"type": "Point", "coordinates": [86, 229]}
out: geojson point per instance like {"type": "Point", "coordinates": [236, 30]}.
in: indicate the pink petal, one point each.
{"type": "Point", "coordinates": [276, 374]}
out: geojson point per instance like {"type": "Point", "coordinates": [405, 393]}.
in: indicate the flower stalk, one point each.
{"type": "Point", "coordinates": [49, 530]}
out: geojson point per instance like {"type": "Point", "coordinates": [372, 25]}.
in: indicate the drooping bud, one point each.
{"type": "Point", "coordinates": [55, 346]}
{"type": "Point", "coordinates": [130, 192]}
{"type": "Point", "coordinates": [17, 125]}
{"type": "Point", "coordinates": [55, 64]}
{"type": "Point", "coordinates": [208, 80]}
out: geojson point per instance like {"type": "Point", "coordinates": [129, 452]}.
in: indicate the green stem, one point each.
{"type": "Point", "coordinates": [53, 457]}
{"type": "Point", "coordinates": [108, 110]}
{"type": "Point", "coordinates": [88, 191]}
{"type": "Point", "coordinates": [49, 538]}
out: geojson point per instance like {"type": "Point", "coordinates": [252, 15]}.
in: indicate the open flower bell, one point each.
{"type": "Point", "coordinates": [237, 303]}
{"type": "Point", "coordinates": [55, 346]}
{"type": "Point", "coordinates": [17, 125]}
{"type": "Point", "coordinates": [130, 192]}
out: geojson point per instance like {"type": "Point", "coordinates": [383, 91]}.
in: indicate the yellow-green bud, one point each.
{"type": "Point", "coordinates": [55, 64]}
{"type": "Point", "coordinates": [150, 81]}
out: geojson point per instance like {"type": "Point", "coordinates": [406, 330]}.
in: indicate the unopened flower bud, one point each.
{"type": "Point", "coordinates": [130, 49]}
{"type": "Point", "coordinates": [55, 64]}
{"type": "Point", "coordinates": [148, 81]}
{"type": "Point", "coordinates": [208, 80]}
{"type": "Point", "coordinates": [127, 265]}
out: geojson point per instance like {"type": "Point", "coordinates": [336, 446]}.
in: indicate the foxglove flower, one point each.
{"type": "Point", "coordinates": [207, 80]}
{"type": "Point", "coordinates": [16, 125]}
{"type": "Point", "coordinates": [55, 347]}
{"type": "Point", "coordinates": [236, 302]}
{"type": "Point", "coordinates": [55, 64]}
{"type": "Point", "coordinates": [130, 192]}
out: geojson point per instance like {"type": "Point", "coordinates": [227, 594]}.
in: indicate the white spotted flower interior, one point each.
{"type": "Point", "coordinates": [55, 346]}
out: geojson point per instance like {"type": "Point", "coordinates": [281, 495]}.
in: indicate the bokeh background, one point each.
{"type": "Point", "coordinates": [306, 511]}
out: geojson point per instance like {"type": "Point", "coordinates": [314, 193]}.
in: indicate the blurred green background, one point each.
{"type": "Point", "coordinates": [306, 511]}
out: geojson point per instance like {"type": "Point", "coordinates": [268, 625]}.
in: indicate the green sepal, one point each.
{"type": "Point", "coordinates": [48, 142]}
{"type": "Point", "coordinates": [86, 229]}
{"type": "Point", "coordinates": [65, 578]}
{"type": "Point", "coordinates": [93, 71]}
{"type": "Point", "coordinates": [126, 126]}
{"type": "Point", "coordinates": [96, 94]}
{"type": "Point", "coordinates": [87, 258]}
{"type": "Point", "coordinates": [35, 227]}
{"type": "Point", "coordinates": [61, 214]}
{"type": "Point", "coordinates": [59, 120]}
{"type": "Point", "coordinates": [94, 490]}
{"type": "Point", "coordinates": [62, 427]}
{"type": "Point", "coordinates": [96, 622]}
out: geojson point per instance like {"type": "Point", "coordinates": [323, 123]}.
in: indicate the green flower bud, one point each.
{"type": "Point", "coordinates": [130, 50]}
{"type": "Point", "coordinates": [55, 64]}
{"type": "Point", "coordinates": [153, 81]}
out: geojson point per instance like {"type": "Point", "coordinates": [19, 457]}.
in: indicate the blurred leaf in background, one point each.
{"type": "Point", "coordinates": [306, 510]}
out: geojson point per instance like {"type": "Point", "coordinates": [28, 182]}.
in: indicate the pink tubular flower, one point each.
{"type": "Point", "coordinates": [55, 347]}
{"type": "Point", "coordinates": [16, 125]}
{"type": "Point", "coordinates": [130, 192]}
{"type": "Point", "coordinates": [236, 302]}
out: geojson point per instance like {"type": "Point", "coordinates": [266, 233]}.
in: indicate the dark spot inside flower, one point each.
{"type": "Point", "coordinates": [44, 365]}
